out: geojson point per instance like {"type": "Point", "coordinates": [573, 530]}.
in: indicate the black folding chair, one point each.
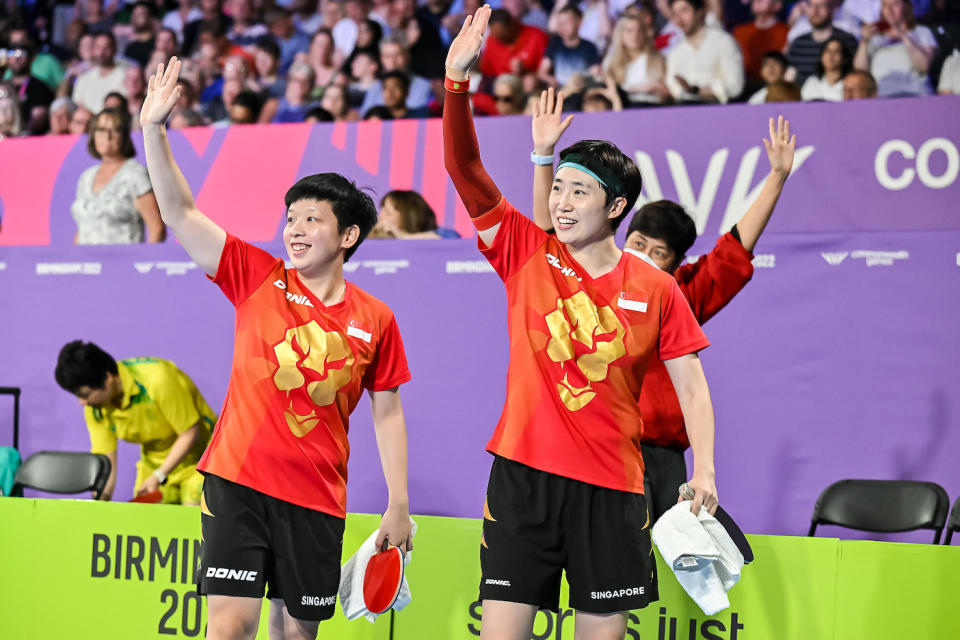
{"type": "Point", "coordinates": [63, 472]}
{"type": "Point", "coordinates": [953, 524]}
{"type": "Point", "coordinates": [883, 506]}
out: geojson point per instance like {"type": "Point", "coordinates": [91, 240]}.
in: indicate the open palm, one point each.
{"type": "Point", "coordinates": [465, 48]}
{"type": "Point", "coordinates": [781, 146]}
{"type": "Point", "coordinates": [548, 123]}
{"type": "Point", "coordinates": [162, 94]}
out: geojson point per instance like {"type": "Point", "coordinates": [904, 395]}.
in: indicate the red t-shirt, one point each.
{"type": "Point", "coordinates": [529, 47]}
{"type": "Point", "coordinates": [754, 43]}
{"type": "Point", "coordinates": [708, 285]}
{"type": "Point", "coordinates": [299, 368]}
{"type": "Point", "coordinates": [579, 348]}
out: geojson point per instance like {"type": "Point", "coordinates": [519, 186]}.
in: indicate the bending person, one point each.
{"type": "Point", "coordinates": [585, 320]}
{"type": "Point", "coordinates": [307, 345]}
{"type": "Point", "coordinates": [664, 232]}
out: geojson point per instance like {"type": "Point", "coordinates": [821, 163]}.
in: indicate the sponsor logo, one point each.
{"type": "Point", "coordinates": [881, 258]}
{"type": "Point", "coordinates": [617, 593]}
{"type": "Point", "coordinates": [764, 261]}
{"type": "Point", "coordinates": [833, 259]}
{"type": "Point", "coordinates": [567, 271]}
{"type": "Point", "coordinates": [632, 302]}
{"type": "Point", "coordinates": [357, 330]}
{"type": "Point", "coordinates": [382, 266]}
{"type": "Point", "coordinates": [920, 158]}
{"type": "Point", "coordinates": [293, 297]}
{"type": "Point", "coordinates": [499, 583]}
{"type": "Point", "coordinates": [318, 601]}
{"type": "Point", "coordinates": [469, 266]}
{"type": "Point", "coordinates": [68, 268]}
{"type": "Point", "coordinates": [171, 268]}
{"type": "Point", "coordinates": [242, 575]}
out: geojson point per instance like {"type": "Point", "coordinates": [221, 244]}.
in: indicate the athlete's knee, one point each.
{"type": "Point", "coordinates": [593, 626]}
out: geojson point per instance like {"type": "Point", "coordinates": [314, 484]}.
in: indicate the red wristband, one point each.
{"type": "Point", "coordinates": [456, 86]}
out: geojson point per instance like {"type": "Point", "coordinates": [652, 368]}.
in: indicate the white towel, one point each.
{"type": "Point", "coordinates": [351, 579]}
{"type": "Point", "coordinates": [705, 560]}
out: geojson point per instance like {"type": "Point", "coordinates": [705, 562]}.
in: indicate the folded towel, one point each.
{"type": "Point", "coordinates": [351, 579]}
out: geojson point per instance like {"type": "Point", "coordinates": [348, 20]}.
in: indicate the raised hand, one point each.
{"type": "Point", "coordinates": [780, 147]}
{"type": "Point", "coordinates": [465, 48]}
{"type": "Point", "coordinates": [548, 123]}
{"type": "Point", "coordinates": [162, 95]}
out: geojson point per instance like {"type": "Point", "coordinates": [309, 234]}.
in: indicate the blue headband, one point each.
{"type": "Point", "coordinates": [580, 167]}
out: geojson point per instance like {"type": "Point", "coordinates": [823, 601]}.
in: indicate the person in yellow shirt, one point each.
{"type": "Point", "coordinates": [148, 401]}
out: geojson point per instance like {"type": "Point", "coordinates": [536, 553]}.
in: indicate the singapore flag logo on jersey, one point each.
{"type": "Point", "coordinates": [632, 301]}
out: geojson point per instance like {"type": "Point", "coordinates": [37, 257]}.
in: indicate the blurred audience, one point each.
{"type": "Point", "coordinates": [406, 215]}
{"type": "Point", "coordinates": [635, 64]}
{"type": "Point", "coordinates": [858, 85]}
{"type": "Point", "coordinates": [773, 68]}
{"type": "Point", "coordinates": [707, 65]}
{"type": "Point", "coordinates": [104, 76]}
{"type": "Point", "coordinates": [804, 52]}
{"type": "Point", "coordinates": [765, 33]}
{"type": "Point", "coordinates": [567, 53]}
{"type": "Point", "coordinates": [827, 81]}
{"type": "Point", "coordinates": [897, 51]}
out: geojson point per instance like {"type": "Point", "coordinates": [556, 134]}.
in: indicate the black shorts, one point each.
{"type": "Point", "coordinates": [664, 470]}
{"type": "Point", "coordinates": [537, 524]}
{"type": "Point", "coordinates": [251, 541]}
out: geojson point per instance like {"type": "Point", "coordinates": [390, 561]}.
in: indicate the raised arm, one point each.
{"type": "Point", "coordinates": [200, 236]}
{"type": "Point", "coordinates": [780, 148]}
{"type": "Point", "coordinates": [461, 153]}
{"type": "Point", "coordinates": [548, 125]}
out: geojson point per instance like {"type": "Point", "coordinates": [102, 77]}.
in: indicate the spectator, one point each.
{"type": "Point", "coordinates": [595, 26]}
{"type": "Point", "coordinates": [528, 12]}
{"type": "Point", "coordinates": [115, 202]}
{"type": "Point", "coordinates": [34, 95]}
{"type": "Point", "coordinates": [756, 38]}
{"type": "Point", "coordinates": [858, 85]}
{"type": "Point", "coordinates": [135, 90]}
{"type": "Point", "coordinates": [827, 82]}
{"type": "Point", "coordinates": [318, 114]}
{"type": "Point", "coordinates": [266, 60]}
{"type": "Point", "coordinates": [634, 63]}
{"type": "Point", "coordinates": [306, 17]}
{"type": "Point", "coordinates": [336, 102]}
{"type": "Point", "coordinates": [245, 108]}
{"type": "Point", "coordinates": [218, 109]}
{"type": "Point", "coordinates": [804, 52]}
{"type": "Point", "coordinates": [104, 76]}
{"type": "Point", "coordinates": [289, 39]}
{"type": "Point", "coordinates": [567, 53]}
{"type": "Point", "coordinates": [406, 215]}
{"type": "Point", "coordinates": [379, 112]}
{"type": "Point", "coordinates": [773, 69]}
{"type": "Point", "coordinates": [395, 56]}
{"type": "Point", "coordinates": [436, 11]}
{"type": "Point", "coordinates": [706, 66]}
{"type": "Point", "coordinates": [322, 57]}
{"type": "Point", "coordinates": [10, 122]}
{"type": "Point", "coordinates": [396, 87]}
{"type": "Point", "coordinates": [183, 118]}
{"type": "Point", "coordinates": [805, 13]}
{"type": "Point", "coordinates": [78, 65]}
{"type": "Point", "coordinates": [950, 75]}
{"type": "Point", "coordinates": [420, 37]}
{"type": "Point", "coordinates": [508, 95]}
{"type": "Point", "coordinates": [147, 401]}
{"type": "Point", "coordinates": [212, 13]}
{"type": "Point", "coordinates": [215, 48]}
{"type": "Point", "coordinates": [185, 13]}
{"type": "Point", "coordinates": [897, 51]}
{"type": "Point", "coordinates": [782, 91]}
{"type": "Point", "coordinates": [117, 101]}
{"type": "Point", "coordinates": [80, 120]}
{"type": "Point", "coordinates": [44, 66]}
{"type": "Point", "coordinates": [61, 112]}
{"type": "Point", "coordinates": [295, 103]}
{"type": "Point", "coordinates": [512, 47]}
{"type": "Point", "coordinates": [94, 17]}
{"type": "Point", "coordinates": [144, 38]}
{"type": "Point", "coordinates": [347, 29]}
{"type": "Point", "coordinates": [369, 34]}
{"type": "Point", "coordinates": [363, 74]}
{"type": "Point", "coordinates": [245, 28]}
{"type": "Point", "coordinates": [166, 43]}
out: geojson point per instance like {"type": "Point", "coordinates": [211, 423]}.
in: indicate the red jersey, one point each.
{"type": "Point", "coordinates": [708, 285]}
{"type": "Point", "coordinates": [529, 48]}
{"type": "Point", "coordinates": [299, 368]}
{"type": "Point", "coordinates": [754, 43]}
{"type": "Point", "coordinates": [579, 349]}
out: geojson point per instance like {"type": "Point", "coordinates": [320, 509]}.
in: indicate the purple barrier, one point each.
{"type": "Point", "coordinates": [860, 166]}
{"type": "Point", "coordinates": [838, 360]}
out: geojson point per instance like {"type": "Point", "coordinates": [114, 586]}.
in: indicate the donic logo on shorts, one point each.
{"type": "Point", "coordinates": [617, 593]}
{"type": "Point", "coordinates": [318, 601]}
{"type": "Point", "coordinates": [242, 575]}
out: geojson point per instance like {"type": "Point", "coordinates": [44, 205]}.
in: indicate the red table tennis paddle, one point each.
{"type": "Point", "coordinates": [151, 497]}
{"type": "Point", "coordinates": [382, 579]}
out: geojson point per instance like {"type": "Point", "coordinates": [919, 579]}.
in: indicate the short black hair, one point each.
{"type": "Point", "coordinates": [378, 111]}
{"type": "Point", "coordinates": [321, 114]}
{"type": "Point", "coordinates": [399, 76]}
{"type": "Point", "coordinates": [500, 16]}
{"type": "Point", "coordinates": [217, 27]}
{"type": "Point", "coordinates": [249, 100]}
{"type": "Point", "coordinates": [106, 33]}
{"type": "Point", "coordinates": [667, 221]}
{"type": "Point", "coordinates": [574, 9]}
{"type": "Point", "coordinates": [83, 364]}
{"type": "Point", "coordinates": [351, 206]}
{"type": "Point", "coordinates": [611, 159]}
{"type": "Point", "coordinates": [698, 5]}
{"type": "Point", "coordinates": [151, 7]}
{"type": "Point", "coordinates": [777, 57]}
{"type": "Point", "coordinates": [268, 44]}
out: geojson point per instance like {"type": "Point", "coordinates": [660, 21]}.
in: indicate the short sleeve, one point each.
{"type": "Point", "coordinates": [139, 180]}
{"type": "Point", "coordinates": [516, 240]}
{"type": "Point", "coordinates": [389, 366]}
{"type": "Point", "coordinates": [102, 438]}
{"type": "Point", "coordinates": [243, 267]}
{"type": "Point", "coordinates": [680, 333]}
{"type": "Point", "coordinates": [174, 400]}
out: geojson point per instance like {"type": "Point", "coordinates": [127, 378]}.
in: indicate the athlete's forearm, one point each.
{"type": "Point", "coordinates": [755, 220]}
{"type": "Point", "coordinates": [690, 384]}
{"type": "Point", "coordinates": [542, 183]}
{"type": "Point", "coordinates": [461, 157]}
{"type": "Point", "coordinates": [170, 187]}
{"type": "Point", "coordinates": [181, 447]}
{"type": "Point", "coordinates": [391, 433]}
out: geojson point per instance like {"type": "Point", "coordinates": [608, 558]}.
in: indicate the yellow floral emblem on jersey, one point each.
{"type": "Point", "coordinates": [315, 359]}
{"type": "Point", "coordinates": [579, 326]}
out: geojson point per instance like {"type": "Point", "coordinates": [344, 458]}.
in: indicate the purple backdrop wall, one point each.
{"type": "Point", "coordinates": [838, 360]}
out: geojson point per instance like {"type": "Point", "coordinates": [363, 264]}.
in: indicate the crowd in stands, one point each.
{"type": "Point", "coordinates": [250, 61]}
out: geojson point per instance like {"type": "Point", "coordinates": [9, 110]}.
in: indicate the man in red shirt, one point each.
{"type": "Point", "coordinates": [663, 232]}
{"type": "Point", "coordinates": [764, 34]}
{"type": "Point", "coordinates": [512, 47]}
{"type": "Point", "coordinates": [308, 343]}
{"type": "Point", "coordinates": [586, 320]}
